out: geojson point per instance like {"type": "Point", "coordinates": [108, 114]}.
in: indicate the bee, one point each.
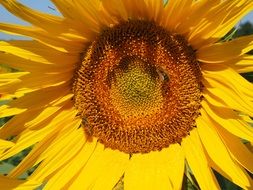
{"type": "Point", "coordinates": [163, 76]}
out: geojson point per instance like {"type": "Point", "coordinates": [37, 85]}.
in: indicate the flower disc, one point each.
{"type": "Point", "coordinates": [138, 88]}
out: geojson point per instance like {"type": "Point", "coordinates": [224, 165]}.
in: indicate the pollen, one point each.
{"type": "Point", "coordinates": [138, 88]}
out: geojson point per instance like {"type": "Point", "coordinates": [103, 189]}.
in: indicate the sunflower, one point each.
{"type": "Point", "coordinates": [130, 90]}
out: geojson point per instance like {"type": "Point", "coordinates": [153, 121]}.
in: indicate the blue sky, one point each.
{"type": "Point", "coordinates": [47, 6]}
{"type": "Point", "coordinates": [42, 5]}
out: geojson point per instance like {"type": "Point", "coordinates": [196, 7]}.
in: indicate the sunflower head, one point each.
{"type": "Point", "coordinates": [138, 87]}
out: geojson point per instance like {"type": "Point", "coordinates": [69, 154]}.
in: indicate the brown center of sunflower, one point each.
{"type": "Point", "coordinates": [138, 88]}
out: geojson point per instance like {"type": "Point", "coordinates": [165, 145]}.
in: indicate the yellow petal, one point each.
{"type": "Point", "coordinates": [223, 51]}
{"type": "Point", "coordinates": [242, 64]}
{"type": "Point", "coordinates": [63, 176]}
{"type": "Point", "coordinates": [196, 13]}
{"type": "Point", "coordinates": [9, 129]}
{"type": "Point", "coordinates": [34, 100]}
{"type": "Point", "coordinates": [225, 75]}
{"type": "Point", "coordinates": [249, 146]}
{"type": "Point", "coordinates": [9, 76]}
{"type": "Point", "coordinates": [227, 72]}
{"type": "Point", "coordinates": [136, 8]}
{"type": "Point", "coordinates": [19, 63]}
{"type": "Point", "coordinates": [175, 13]}
{"type": "Point", "coordinates": [59, 43]}
{"type": "Point", "coordinates": [5, 144]}
{"type": "Point", "coordinates": [117, 163]}
{"type": "Point", "coordinates": [43, 115]}
{"type": "Point", "coordinates": [104, 163]}
{"type": "Point", "coordinates": [176, 165]}
{"type": "Point", "coordinates": [115, 8]}
{"type": "Point", "coordinates": [233, 18]}
{"type": "Point", "coordinates": [225, 97]}
{"type": "Point", "coordinates": [37, 52]}
{"type": "Point", "coordinates": [230, 78]}
{"type": "Point", "coordinates": [236, 147]}
{"type": "Point", "coordinates": [197, 161]}
{"type": "Point", "coordinates": [10, 79]}
{"type": "Point", "coordinates": [65, 7]}
{"type": "Point", "coordinates": [163, 169]}
{"type": "Point", "coordinates": [58, 154]}
{"type": "Point", "coordinates": [29, 137]}
{"type": "Point", "coordinates": [7, 111]}
{"type": "Point", "coordinates": [155, 8]}
{"type": "Point", "coordinates": [246, 118]}
{"type": "Point", "coordinates": [13, 184]}
{"type": "Point", "coordinates": [32, 159]}
{"type": "Point", "coordinates": [93, 14]}
{"type": "Point", "coordinates": [217, 151]}
{"type": "Point", "coordinates": [32, 82]}
{"type": "Point", "coordinates": [78, 15]}
{"type": "Point", "coordinates": [229, 120]}
{"type": "Point", "coordinates": [32, 117]}
{"type": "Point", "coordinates": [218, 21]}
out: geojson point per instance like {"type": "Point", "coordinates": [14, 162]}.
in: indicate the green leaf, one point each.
{"type": "Point", "coordinates": [225, 184]}
{"type": "Point", "coordinates": [230, 35]}
{"type": "Point", "coordinates": [5, 168]}
{"type": "Point", "coordinates": [248, 76]}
